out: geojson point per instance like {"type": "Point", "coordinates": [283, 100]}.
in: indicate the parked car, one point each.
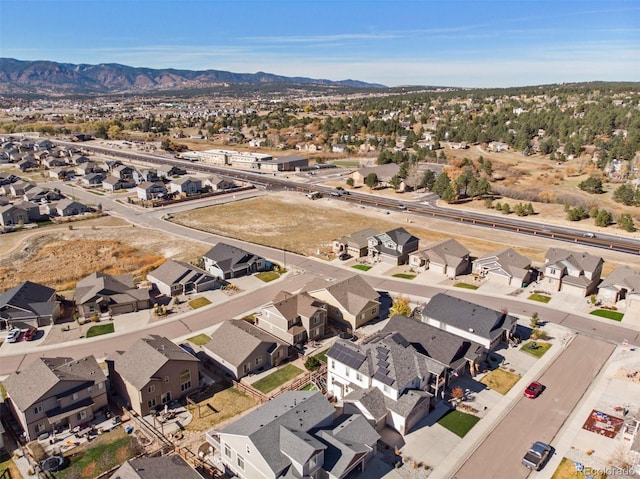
{"type": "Point", "coordinates": [344, 256]}
{"type": "Point", "coordinates": [533, 390]}
{"type": "Point", "coordinates": [14, 335]}
{"type": "Point", "coordinates": [30, 334]}
{"type": "Point", "coordinates": [537, 455]}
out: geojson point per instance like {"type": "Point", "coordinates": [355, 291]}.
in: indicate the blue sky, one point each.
{"type": "Point", "coordinates": [477, 43]}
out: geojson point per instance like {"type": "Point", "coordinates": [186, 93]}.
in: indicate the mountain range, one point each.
{"type": "Point", "coordinates": [47, 77]}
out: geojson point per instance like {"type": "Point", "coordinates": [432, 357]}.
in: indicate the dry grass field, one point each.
{"type": "Point", "coordinates": [290, 220]}
{"type": "Point", "coordinates": [58, 256]}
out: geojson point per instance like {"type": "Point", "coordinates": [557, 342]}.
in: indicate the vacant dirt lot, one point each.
{"type": "Point", "coordinates": [58, 257]}
{"type": "Point", "coordinates": [292, 221]}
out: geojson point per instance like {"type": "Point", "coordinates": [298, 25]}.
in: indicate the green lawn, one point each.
{"type": "Point", "coordinates": [267, 276]}
{"type": "Point", "coordinates": [404, 276]}
{"type": "Point", "coordinates": [104, 454]}
{"type": "Point", "coordinates": [361, 267]}
{"type": "Point", "coordinates": [465, 286]}
{"type": "Point", "coordinates": [274, 380]}
{"type": "Point", "coordinates": [100, 329]}
{"type": "Point", "coordinates": [322, 356]}
{"type": "Point", "coordinates": [540, 297]}
{"type": "Point", "coordinates": [3, 391]}
{"type": "Point", "coordinates": [309, 387]}
{"type": "Point", "coordinates": [199, 340]}
{"type": "Point", "coordinates": [605, 313]}
{"type": "Point", "coordinates": [538, 351]}
{"type": "Point", "coordinates": [199, 302]}
{"type": "Point", "coordinates": [459, 423]}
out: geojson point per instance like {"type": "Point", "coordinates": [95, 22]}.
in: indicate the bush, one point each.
{"type": "Point", "coordinates": [312, 363]}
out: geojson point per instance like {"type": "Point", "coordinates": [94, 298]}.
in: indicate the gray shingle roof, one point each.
{"type": "Point", "coordinates": [32, 384]}
{"type": "Point", "coordinates": [507, 260]}
{"type": "Point", "coordinates": [582, 261]}
{"type": "Point", "coordinates": [102, 284]}
{"type": "Point", "coordinates": [444, 347]}
{"type": "Point", "coordinates": [235, 340]}
{"type": "Point", "coordinates": [230, 258]}
{"type": "Point", "coordinates": [623, 277]}
{"type": "Point", "coordinates": [352, 293]}
{"type": "Point", "coordinates": [359, 239]}
{"type": "Point", "coordinates": [290, 306]}
{"type": "Point", "coordinates": [175, 272]}
{"type": "Point", "coordinates": [145, 358]}
{"type": "Point", "coordinates": [372, 400]}
{"type": "Point", "coordinates": [163, 467]}
{"type": "Point", "coordinates": [448, 252]}
{"type": "Point", "coordinates": [29, 297]}
{"type": "Point", "coordinates": [485, 322]}
{"type": "Point", "coordinates": [295, 410]}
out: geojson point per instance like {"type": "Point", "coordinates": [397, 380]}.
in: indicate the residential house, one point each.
{"type": "Point", "coordinates": [124, 172]}
{"type": "Point", "coordinates": [55, 394]}
{"type": "Point", "coordinates": [102, 293]}
{"type": "Point", "coordinates": [356, 244]}
{"type": "Point", "coordinates": [186, 185]}
{"type": "Point", "coordinates": [458, 355]}
{"type": "Point", "coordinates": [147, 174]}
{"type": "Point", "coordinates": [32, 209]}
{"type": "Point", "coordinates": [93, 179]}
{"type": "Point", "coordinates": [172, 278]}
{"type": "Point", "coordinates": [113, 183]}
{"type": "Point", "coordinates": [151, 191]}
{"type": "Point", "coordinates": [294, 318]}
{"type": "Point", "coordinates": [53, 162]}
{"type": "Point", "coordinates": [622, 284]}
{"type": "Point", "coordinates": [159, 467]}
{"type": "Point", "coordinates": [446, 257]}
{"type": "Point", "coordinates": [86, 168]}
{"type": "Point", "coordinates": [218, 183]}
{"type": "Point", "coordinates": [338, 148]}
{"type": "Point", "coordinates": [468, 320]}
{"type": "Point", "coordinates": [19, 188]}
{"type": "Point", "coordinates": [68, 207]}
{"type": "Point", "coordinates": [383, 172]}
{"type": "Point", "coordinates": [295, 435]}
{"type": "Point", "coordinates": [393, 247]}
{"type": "Point", "coordinates": [28, 304]}
{"type": "Point", "coordinates": [388, 369]}
{"type": "Point", "coordinates": [572, 272]}
{"type": "Point", "coordinates": [167, 171]}
{"type": "Point", "coordinates": [28, 163]}
{"type": "Point", "coordinates": [225, 261]}
{"type": "Point", "coordinates": [78, 159]}
{"type": "Point", "coordinates": [152, 373]}
{"type": "Point", "coordinates": [239, 348]}
{"type": "Point", "coordinates": [351, 301]}
{"type": "Point", "coordinates": [506, 266]}
{"type": "Point", "coordinates": [12, 216]}
{"type": "Point", "coordinates": [61, 173]}
{"type": "Point", "coordinates": [41, 195]}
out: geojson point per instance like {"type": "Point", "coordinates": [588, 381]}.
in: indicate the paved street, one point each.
{"type": "Point", "coordinates": [540, 419]}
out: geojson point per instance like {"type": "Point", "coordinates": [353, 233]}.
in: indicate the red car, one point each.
{"type": "Point", "coordinates": [30, 334]}
{"type": "Point", "coordinates": [533, 390]}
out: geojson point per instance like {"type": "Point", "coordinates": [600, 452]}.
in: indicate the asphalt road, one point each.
{"type": "Point", "coordinates": [540, 419]}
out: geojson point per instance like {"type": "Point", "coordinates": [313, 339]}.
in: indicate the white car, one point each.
{"type": "Point", "coordinates": [14, 335]}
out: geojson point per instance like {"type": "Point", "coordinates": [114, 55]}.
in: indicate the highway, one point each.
{"type": "Point", "coordinates": [427, 208]}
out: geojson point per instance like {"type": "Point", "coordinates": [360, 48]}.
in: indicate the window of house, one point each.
{"type": "Point", "coordinates": [100, 386]}
{"type": "Point", "coordinates": [346, 372]}
{"type": "Point", "coordinates": [151, 403]}
{"type": "Point", "coordinates": [245, 368]}
{"type": "Point", "coordinates": [37, 409]}
{"type": "Point", "coordinates": [165, 398]}
{"type": "Point", "coordinates": [166, 379]}
{"type": "Point", "coordinates": [240, 462]}
{"type": "Point", "coordinates": [248, 450]}
{"type": "Point", "coordinates": [74, 396]}
{"type": "Point", "coordinates": [227, 450]}
{"type": "Point", "coordinates": [41, 426]}
{"type": "Point", "coordinates": [90, 389]}
{"type": "Point", "coordinates": [333, 364]}
{"type": "Point", "coordinates": [258, 360]}
{"type": "Point", "coordinates": [151, 388]}
{"type": "Point", "coordinates": [374, 310]}
{"type": "Point", "coordinates": [185, 380]}
{"type": "Point", "coordinates": [82, 415]}
{"type": "Point", "coordinates": [358, 376]}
